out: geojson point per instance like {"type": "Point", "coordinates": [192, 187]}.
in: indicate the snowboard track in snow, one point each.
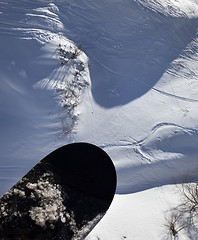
{"type": "Point", "coordinates": [175, 96]}
{"type": "Point", "coordinates": [164, 153]}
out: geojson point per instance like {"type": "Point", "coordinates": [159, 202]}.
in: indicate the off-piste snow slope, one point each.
{"type": "Point", "coordinates": [120, 74]}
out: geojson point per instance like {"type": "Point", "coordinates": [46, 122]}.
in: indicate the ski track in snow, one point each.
{"type": "Point", "coordinates": [160, 127]}
{"type": "Point", "coordinates": [175, 96]}
{"type": "Point", "coordinates": [163, 152]}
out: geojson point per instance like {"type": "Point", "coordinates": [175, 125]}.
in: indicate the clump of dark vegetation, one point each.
{"type": "Point", "coordinates": [68, 53]}
{"type": "Point", "coordinates": [69, 94]}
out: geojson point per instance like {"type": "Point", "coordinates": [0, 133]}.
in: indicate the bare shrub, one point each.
{"type": "Point", "coordinates": [69, 95]}
{"type": "Point", "coordinates": [176, 221]}
{"type": "Point", "coordinates": [190, 194]}
{"type": "Point", "coordinates": [66, 53]}
{"type": "Point", "coordinates": [185, 215]}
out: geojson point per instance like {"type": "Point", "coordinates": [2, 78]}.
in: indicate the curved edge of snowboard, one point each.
{"type": "Point", "coordinates": [62, 197]}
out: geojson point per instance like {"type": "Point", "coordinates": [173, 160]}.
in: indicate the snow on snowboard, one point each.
{"type": "Point", "coordinates": [62, 197]}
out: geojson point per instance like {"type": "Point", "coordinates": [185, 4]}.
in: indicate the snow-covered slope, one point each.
{"type": "Point", "coordinates": [119, 74]}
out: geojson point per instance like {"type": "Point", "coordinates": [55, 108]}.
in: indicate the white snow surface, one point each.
{"type": "Point", "coordinates": [136, 98]}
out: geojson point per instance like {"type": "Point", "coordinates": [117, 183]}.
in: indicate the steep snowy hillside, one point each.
{"type": "Point", "coordinates": [120, 74]}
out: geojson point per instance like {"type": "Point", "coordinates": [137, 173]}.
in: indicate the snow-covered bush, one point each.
{"type": "Point", "coordinates": [72, 59]}
{"type": "Point", "coordinates": [66, 54]}
{"type": "Point", "coordinates": [69, 80]}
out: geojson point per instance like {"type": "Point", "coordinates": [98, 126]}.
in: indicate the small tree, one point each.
{"type": "Point", "coordinates": [185, 215]}
{"type": "Point", "coordinates": [190, 193]}
{"type": "Point", "coordinates": [176, 221]}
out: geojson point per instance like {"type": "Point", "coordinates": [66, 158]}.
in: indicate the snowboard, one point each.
{"type": "Point", "coordinates": [62, 197]}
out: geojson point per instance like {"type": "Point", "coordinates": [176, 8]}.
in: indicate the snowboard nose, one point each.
{"type": "Point", "coordinates": [86, 168]}
{"type": "Point", "coordinates": [62, 197]}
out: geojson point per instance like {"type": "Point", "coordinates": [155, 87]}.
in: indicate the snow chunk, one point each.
{"type": "Point", "coordinates": [51, 207]}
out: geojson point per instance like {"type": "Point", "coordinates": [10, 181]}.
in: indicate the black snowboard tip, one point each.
{"type": "Point", "coordinates": [62, 197]}
{"type": "Point", "coordinates": [86, 168]}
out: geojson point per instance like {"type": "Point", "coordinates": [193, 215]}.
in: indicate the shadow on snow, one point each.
{"type": "Point", "coordinates": [129, 46]}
